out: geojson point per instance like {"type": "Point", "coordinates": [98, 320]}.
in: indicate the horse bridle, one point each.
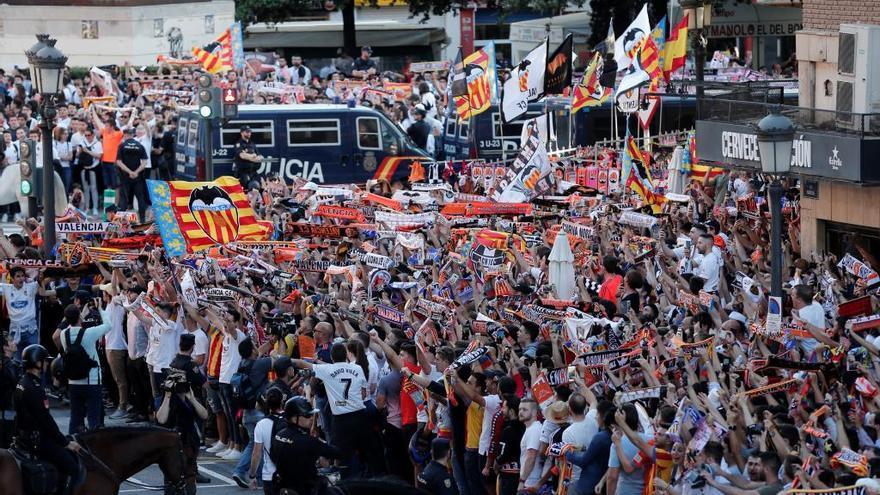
{"type": "Point", "coordinates": [87, 455]}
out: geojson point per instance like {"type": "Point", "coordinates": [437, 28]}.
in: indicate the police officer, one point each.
{"type": "Point", "coordinates": [36, 429]}
{"type": "Point", "coordinates": [436, 478]}
{"type": "Point", "coordinates": [294, 451]}
{"type": "Point", "coordinates": [246, 157]}
{"type": "Point", "coordinates": [9, 376]}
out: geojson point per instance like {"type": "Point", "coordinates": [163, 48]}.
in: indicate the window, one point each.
{"type": "Point", "coordinates": [368, 133]}
{"type": "Point", "coordinates": [158, 28]}
{"type": "Point", "coordinates": [209, 24]}
{"type": "Point", "coordinates": [193, 133]}
{"type": "Point", "coordinates": [450, 128]}
{"type": "Point", "coordinates": [510, 130]}
{"type": "Point", "coordinates": [181, 133]}
{"type": "Point", "coordinates": [313, 132]}
{"type": "Point", "coordinates": [89, 30]}
{"type": "Point", "coordinates": [262, 133]}
{"type": "Point", "coordinates": [463, 130]}
{"type": "Point", "coordinates": [389, 138]}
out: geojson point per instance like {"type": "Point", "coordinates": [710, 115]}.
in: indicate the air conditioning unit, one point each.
{"type": "Point", "coordinates": [858, 78]}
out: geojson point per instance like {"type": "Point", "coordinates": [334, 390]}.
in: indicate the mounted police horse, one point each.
{"type": "Point", "coordinates": [112, 455]}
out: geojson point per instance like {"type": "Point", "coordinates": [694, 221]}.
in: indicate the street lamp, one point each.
{"type": "Point", "coordinates": [775, 136]}
{"type": "Point", "coordinates": [699, 17]}
{"type": "Point", "coordinates": [47, 70]}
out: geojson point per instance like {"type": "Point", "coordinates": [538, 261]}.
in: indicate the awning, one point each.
{"type": "Point", "coordinates": [329, 35]}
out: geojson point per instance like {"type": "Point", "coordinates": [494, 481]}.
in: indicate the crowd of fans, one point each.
{"type": "Point", "coordinates": [435, 348]}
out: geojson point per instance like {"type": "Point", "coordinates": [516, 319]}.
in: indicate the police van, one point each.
{"type": "Point", "coordinates": [325, 144]}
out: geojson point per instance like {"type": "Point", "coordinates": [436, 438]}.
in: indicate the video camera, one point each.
{"type": "Point", "coordinates": [281, 324]}
{"type": "Point", "coordinates": [175, 382]}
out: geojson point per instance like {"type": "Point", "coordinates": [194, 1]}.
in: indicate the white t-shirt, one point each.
{"type": "Point", "coordinates": [202, 343]}
{"type": "Point", "coordinates": [164, 344]}
{"type": "Point", "coordinates": [493, 402]}
{"type": "Point", "coordinates": [263, 436]}
{"type": "Point", "coordinates": [709, 270]}
{"type": "Point", "coordinates": [581, 434]}
{"type": "Point", "coordinates": [345, 385]}
{"type": "Point", "coordinates": [230, 359]}
{"type": "Point", "coordinates": [21, 303]}
{"type": "Point", "coordinates": [12, 153]}
{"type": "Point", "coordinates": [531, 440]}
{"type": "Point", "coordinates": [116, 337]}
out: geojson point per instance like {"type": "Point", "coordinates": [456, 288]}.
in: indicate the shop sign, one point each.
{"type": "Point", "coordinates": [826, 155]}
{"type": "Point", "coordinates": [732, 19]}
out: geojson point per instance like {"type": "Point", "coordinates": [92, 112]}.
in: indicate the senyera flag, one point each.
{"type": "Point", "coordinates": [193, 216]}
{"type": "Point", "coordinates": [480, 82]}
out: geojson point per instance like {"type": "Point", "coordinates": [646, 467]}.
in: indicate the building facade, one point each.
{"type": "Point", "coordinates": [96, 32]}
{"type": "Point", "coordinates": [837, 122]}
{"type": "Point", "coordinates": [834, 211]}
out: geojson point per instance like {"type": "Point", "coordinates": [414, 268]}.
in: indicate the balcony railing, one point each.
{"type": "Point", "coordinates": [747, 111]}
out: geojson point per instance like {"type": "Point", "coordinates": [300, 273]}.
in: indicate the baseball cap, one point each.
{"type": "Point", "coordinates": [245, 128]}
{"type": "Point", "coordinates": [128, 131]}
{"type": "Point", "coordinates": [367, 48]}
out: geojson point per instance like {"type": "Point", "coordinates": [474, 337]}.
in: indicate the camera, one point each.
{"type": "Point", "coordinates": [755, 429]}
{"type": "Point", "coordinates": [281, 324]}
{"type": "Point", "coordinates": [175, 382]}
{"type": "Point", "coordinates": [305, 373]}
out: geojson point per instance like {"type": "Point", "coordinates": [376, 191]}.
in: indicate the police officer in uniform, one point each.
{"type": "Point", "coordinates": [294, 451]}
{"type": "Point", "coordinates": [10, 372]}
{"type": "Point", "coordinates": [436, 478]}
{"type": "Point", "coordinates": [36, 429]}
{"type": "Point", "coordinates": [246, 159]}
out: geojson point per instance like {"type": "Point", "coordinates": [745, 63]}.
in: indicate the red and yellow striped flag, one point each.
{"type": "Point", "coordinates": [211, 213]}
{"type": "Point", "coordinates": [649, 57]}
{"type": "Point", "coordinates": [675, 51]}
{"type": "Point", "coordinates": [479, 92]}
{"type": "Point", "coordinates": [208, 61]}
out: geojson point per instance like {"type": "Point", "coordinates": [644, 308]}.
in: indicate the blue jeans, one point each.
{"type": "Point", "coordinates": [85, 400]}
{"type": "Point", "coordinates": [24, 334]}
{"type": "Point", "coordinates": [459, 476]}
{"type": "Point", "coordinates": [110, 175]}
{"type": "Point", "coordinates": [250, 418]}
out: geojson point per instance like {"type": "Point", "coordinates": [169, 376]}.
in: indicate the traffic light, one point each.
{"type": "Point", "coordinates": [209, 98]}
{"type": "Point", "coordinates": [230, 103]}
{"type": "Point", "coordinates": [27, 166]}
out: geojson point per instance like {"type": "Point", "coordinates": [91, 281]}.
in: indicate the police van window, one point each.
{"type": "Point", "coordinates": [262, 133]}
{"type": "Point", "coordinates": [181, 132]}
{"type": "Point", "coordinates": [368, 133]}
{"type": "Point", "coordinates": [450, 128]}
{"type": "Point", "coordinates": [312, 132]}
{"type": "Point", "coordinates": [389, 138]}
{"type": "Point", "coordinates": [193, 133]}
{"type": "Point", "coordinates": [510, 130]}
{"type": "Point", "coordinates": [463, 129]}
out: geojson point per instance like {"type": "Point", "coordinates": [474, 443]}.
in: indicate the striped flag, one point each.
{"type": "Point", "coordinates": [649, 56]}
{"type": "Point", "coordinates": [208, 61]}
{"type": "Point", "coordinates": [481, 83]}
{"type": "Point", "coordinates": [193, 216]}
{"type": "Point", "coordinates": [675, 50]}
{"type": "Point", "coordinates": [590, 92]}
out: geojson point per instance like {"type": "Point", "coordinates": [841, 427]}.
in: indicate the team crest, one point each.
{"type": "Point", "coordinates": [369, 163]}
{"type": "Point", "coordinates": [215, 213]}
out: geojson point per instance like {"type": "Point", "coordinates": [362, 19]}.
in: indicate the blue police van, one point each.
{"type": "Point", "coordinates": [325, 144]}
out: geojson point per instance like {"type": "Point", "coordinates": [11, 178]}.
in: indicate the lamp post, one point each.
{"type": "Point", "coordinates": [775, 136]}
{"type": "Point", "coordinates": [699, 16]}
{"type": "Point", "coordinates": [47, 70]}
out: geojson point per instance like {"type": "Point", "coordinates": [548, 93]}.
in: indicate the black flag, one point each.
{"type": "Point", "coordinates": [558, 75]}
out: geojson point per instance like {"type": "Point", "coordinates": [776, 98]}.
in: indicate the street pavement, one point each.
{"type": "Point", "coordinates": [217, 469]}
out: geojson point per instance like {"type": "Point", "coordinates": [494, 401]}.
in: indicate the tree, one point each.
{"type": "Point", "coordinates": [624, 11]}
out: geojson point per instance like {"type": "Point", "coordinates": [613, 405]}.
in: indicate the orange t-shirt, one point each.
{"type": "Point", "coordinates": [110, 140]}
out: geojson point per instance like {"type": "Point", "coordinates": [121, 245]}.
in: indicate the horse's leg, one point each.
{"type": "Point", "coordinates": [10, 476]}
{"type": "Point", "coordinates": [97, 483]}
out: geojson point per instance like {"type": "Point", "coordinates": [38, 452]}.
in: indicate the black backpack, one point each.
{"type": "Point", "coordinates": [77, 362]}
{"type": "Point", "coordinates": [244, 391]}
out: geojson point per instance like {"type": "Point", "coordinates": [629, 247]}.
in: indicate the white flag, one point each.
{"type": "Point", "coordinates": [525, 85]}
{"type": "Point", "coordinates": [624, 43]}
{"type": "Point", "coordinates": [530, 166]}
{"type": "Point", "coordinates": [545, 134]}
{"type": "Point", "coordinates": [106, 80]}
{"type": "Point", "coordinates": [635, 77]}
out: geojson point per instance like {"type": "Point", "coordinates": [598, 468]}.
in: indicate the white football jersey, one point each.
{"type": "Point", "coordinates": [345, 385]}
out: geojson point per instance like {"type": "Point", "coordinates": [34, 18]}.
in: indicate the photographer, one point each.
{"type": "Point", "coordinates": [179, 411]}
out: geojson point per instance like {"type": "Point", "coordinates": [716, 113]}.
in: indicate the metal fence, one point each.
{"type": "Point", "coordinates": [744, 111]}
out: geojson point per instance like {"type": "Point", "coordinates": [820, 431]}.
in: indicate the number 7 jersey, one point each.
{"type": "Point", "coordinates": [345, 384]}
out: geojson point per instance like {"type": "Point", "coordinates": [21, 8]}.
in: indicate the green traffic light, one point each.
{"type": "Point", "coordinates": [26, 187]}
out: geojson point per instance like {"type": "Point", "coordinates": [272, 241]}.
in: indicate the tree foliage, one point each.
{"type": "Point", "coordinates": [271, 11]}
{"type": "Point", "coordinates": [623, 11]}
